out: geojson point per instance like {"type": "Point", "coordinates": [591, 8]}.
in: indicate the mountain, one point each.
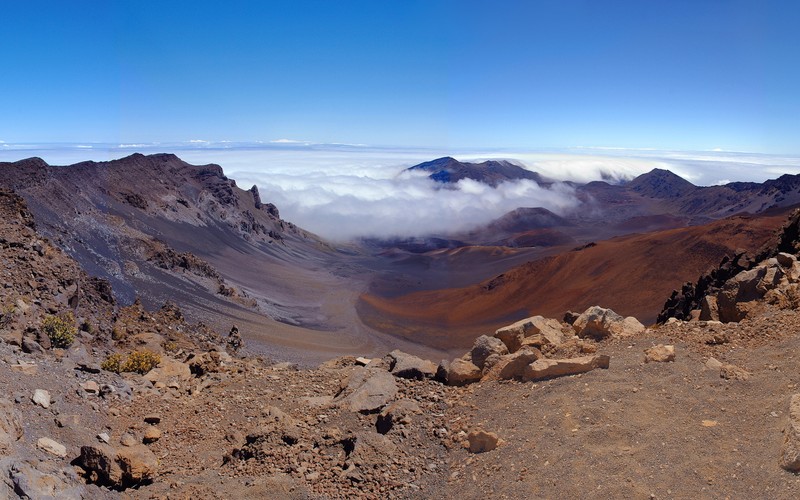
{"type": "Point", "coordinates": [158, 229]}
{"type": "Point", "coordinates": [448, 170]}
{"type": "Point", "coordinates": [630, 274]}
{"type": "Point", "coordinates": [660, 183]}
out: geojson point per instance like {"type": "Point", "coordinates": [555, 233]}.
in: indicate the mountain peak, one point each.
{"type": "Point", "coordinates": [448, 170]}
{"type": "Point", "coordinates": [661, 183]}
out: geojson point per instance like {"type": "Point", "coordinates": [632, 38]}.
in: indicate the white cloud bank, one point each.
{"type": "Point", "coordinates": [346, 191]}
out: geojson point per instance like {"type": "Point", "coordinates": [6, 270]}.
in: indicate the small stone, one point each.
{"type": "Point", "coordinates": [103, 436]}
{"type": "Point", "coordinates": [52, 447]}
{"type": "Point", "coordinates": [127, 439]}
{"type": "Point", "coordinates": [91, 387]}
{"type": "Point", "coordinates": [733, 372]}
{"type": "Point", "coordinates": [152, 418]}
{"type": "Point", "coordinates": [41, 398]}
{"type": "Point", "coordinates": [659, 354]}
{"type": "Point", "coordinates": [362, 361]}
{"type": "Point", "coordinates": [151, 435]}
{"type": "Point", "coordinates": [481, 441]}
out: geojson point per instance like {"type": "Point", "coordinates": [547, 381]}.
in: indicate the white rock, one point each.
{"type": "Point", "coordinates": [41, 398]}
{"type": "Point", "coordinates": [52, 447]}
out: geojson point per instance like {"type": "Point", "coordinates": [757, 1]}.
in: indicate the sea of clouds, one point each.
{"type": "Point", "coordinates": [342, 191]}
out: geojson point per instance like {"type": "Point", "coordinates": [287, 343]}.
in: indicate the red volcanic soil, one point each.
{"type": "Point", "coordinates": [633, 275]}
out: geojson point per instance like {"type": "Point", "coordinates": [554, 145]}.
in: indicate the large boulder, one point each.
{"type": "Point", "coordinates": [601, 323]}
{"type": "Point", "coordinates": [790, 459]}
{"type": "Point", "coordinates": [462, 372]}
{"type": "Point", "coordinates": [739, 293]}
{"type": "Point", "coordinates": [368, 390]}
{"type": "Point", "coordinates": [549, 368]}
{"type": "Point", "coordinates": [547, 330]}
{"type": "Point", "coordinates": [123, 468]}
{"type": "Point", "coordinates": [484, 347]}
{"type": "Point", "coordinates": [405, 365]}
{"type": "Point", "coordinates": [709, 311]}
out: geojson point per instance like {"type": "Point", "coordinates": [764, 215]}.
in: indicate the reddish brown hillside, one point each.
{"type": "Point", "coordinates": [630, 274]}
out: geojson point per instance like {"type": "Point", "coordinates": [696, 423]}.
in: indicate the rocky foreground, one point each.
{"type": "Point", "coordinates": [103, 401]}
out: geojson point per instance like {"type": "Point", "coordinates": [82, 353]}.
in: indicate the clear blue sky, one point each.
{"type": "Point", "coordinates": [664, 74]}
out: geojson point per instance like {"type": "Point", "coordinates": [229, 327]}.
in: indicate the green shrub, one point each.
{"type": "Point", "coordinates": [113, 363]}
{"type": "Point", "coordinates": [60, 329]}
{"type": "Point", "coordinates": [141, 362]}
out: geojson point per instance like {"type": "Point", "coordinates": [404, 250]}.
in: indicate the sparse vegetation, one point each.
{"type": "Point", "coordinates": [60, 330]}
{"type": "Point", "coordinates": [113, 363]}
{"type": "Point", "coordinates": [139, 362]}
{"type": "Point", "coordinates": [6, 314]}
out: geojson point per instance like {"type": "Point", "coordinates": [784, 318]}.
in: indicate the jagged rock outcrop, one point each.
{"type": "Point", "coordinates": [600, 323]}
{"type": "Point", "coordinates": [692, 296]}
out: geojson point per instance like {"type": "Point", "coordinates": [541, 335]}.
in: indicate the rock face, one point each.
{"type": "Point", "coordinates": [790, 459]}
{"type": "Point", "coordinates": [659, 354]}
{"type": "Point", "coordinates": [123, 468]}
{"type": "Point", "coordinates": [600, 323]}
{"type": "Point", "coordinates": [550, 368]}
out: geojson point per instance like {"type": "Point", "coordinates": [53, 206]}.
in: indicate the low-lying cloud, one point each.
{"type": "Point", "coordinates": [347, 191]}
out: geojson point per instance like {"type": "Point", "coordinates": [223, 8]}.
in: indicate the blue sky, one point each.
{"type": "Point", "coordinates": [691, 75]}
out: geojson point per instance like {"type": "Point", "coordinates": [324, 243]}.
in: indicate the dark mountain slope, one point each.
{"type": "Point", "coordinates": [448, 170]}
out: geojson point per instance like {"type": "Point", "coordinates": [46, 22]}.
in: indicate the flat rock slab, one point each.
{"type": "Point", "coordinates": [549, 368]}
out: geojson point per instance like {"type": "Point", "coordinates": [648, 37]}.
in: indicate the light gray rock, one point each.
{"type": "Point", "coordinates": [45, 481]}
{"type": "Point", "coordinates": [368, 390]}
{"type": "Point", "coordinates": [405, 365]}
{"type": "Point", "coordinates": [41, 397]}
{"type": "Point", "coordinates": [600, 323]}
{"type": "Point", "coordinates": [484, 347]}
